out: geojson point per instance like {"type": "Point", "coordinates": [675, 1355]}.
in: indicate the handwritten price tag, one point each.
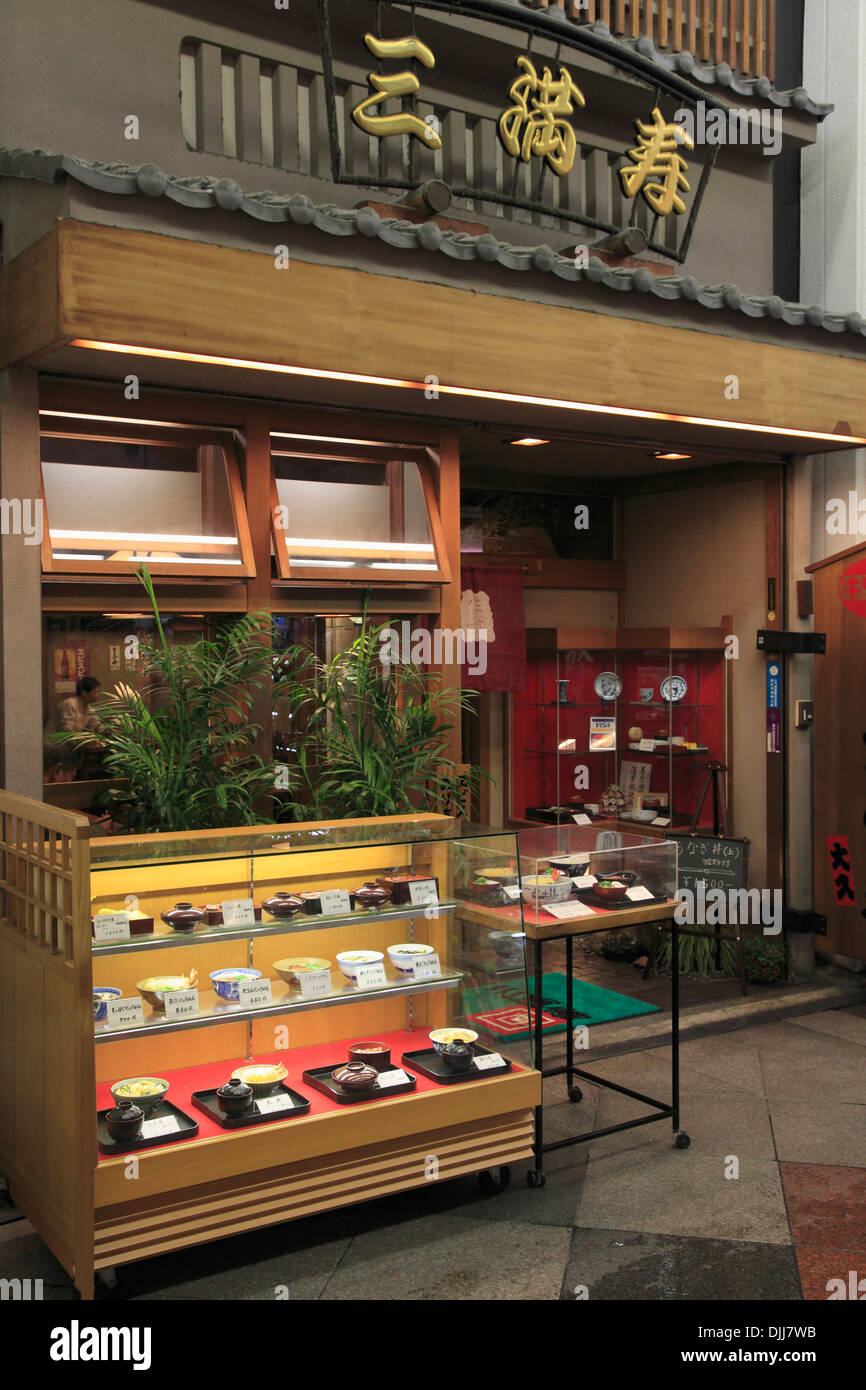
{"type": "Point", "coordinates": [111, 926]}
{"type": "Point", "coordinates": [427, 967]}
{"type": "Point", "coordinates": [166, 1124]}
{"type": "Point", "coordinates": [335, 901]}
{"type": "Point", "coordinates": [489, 1060]}
{"type": "Point", "coordinates": [125, 1013]}
{"type": "Point", "coordinates": [566, 911]}
{"type": "Point", "coordinates": [254, 994]}
{"type": "Point", "coordinates": [423, 892]}
{"type": "Point", "coordinates": [512, 891]}
{"type": "Point", "coordinates": [371, 977]}
{"type": "Point", "coordinates": [397, 1077]}
{"type": "Point", "coordinates": [267, 1104]}
{"type": "Point", "coordinates": [661, 820]}
{"type": "Point", "coordinates": [585, 881]}
{"type": "Point", "coordinates": [647, 745]}
{"type": "Point", "coordinates": [582, 819]}
{"type": "Point", "coordinates": [315, 984]}
{"type": "Point", "coordinates": [181, 1003]}
{"type": "Point", "coordinates": [238, 912]}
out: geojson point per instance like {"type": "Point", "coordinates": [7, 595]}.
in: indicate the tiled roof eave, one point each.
{"type": "Point", "coordinates": [297, 209]}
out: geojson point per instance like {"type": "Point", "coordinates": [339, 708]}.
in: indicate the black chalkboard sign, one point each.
{"type": "Point", "coordinates": [719, 862]}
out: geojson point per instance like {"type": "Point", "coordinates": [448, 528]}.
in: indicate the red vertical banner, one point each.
{"type": "Point", "coordinates": [841, 871]}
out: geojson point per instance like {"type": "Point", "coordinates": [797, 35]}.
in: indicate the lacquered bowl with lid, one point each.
{"type": "Point", "coordinates": [355, 1076]}
{"type": "Point", "coordinates": [283, 905]}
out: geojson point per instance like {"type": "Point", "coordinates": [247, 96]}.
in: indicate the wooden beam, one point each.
{"type": "Point", "coordinates": [449, 515]}
{"type": "Point", "coordinates": [775, 619]}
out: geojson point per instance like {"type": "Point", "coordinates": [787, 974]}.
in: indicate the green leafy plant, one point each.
{"type": "Point", "coordinates": [766, 961]}
{"type": "Point", "coordinates": [184, 744]}
{"type": "Point", "coordinates": [698, 954]}
{"type": "Point", "coordinates": [375, 735]}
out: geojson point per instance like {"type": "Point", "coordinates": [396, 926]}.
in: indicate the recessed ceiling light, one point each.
{"type": "Point", "coordinates": [659, 455]}
{"type": "Point", "coordinates": [529, 441]}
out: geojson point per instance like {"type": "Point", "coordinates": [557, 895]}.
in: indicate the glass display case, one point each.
{"type": "Point", "coordinates": [620, 725]}
{"type": "Point", "coordinates": [256, 1025]}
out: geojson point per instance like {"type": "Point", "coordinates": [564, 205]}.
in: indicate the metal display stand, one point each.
{"type": "Point", "coordinates": [663, 1109]}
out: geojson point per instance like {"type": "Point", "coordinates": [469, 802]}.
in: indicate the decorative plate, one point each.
{"type": "Point", "coordinates": [607, 685]}
{"type": "Point", "coordinates": [673, 688]}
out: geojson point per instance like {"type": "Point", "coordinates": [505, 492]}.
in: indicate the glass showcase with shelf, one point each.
{"type": "Point", "coordinates": [333, 968]}
{"type": "Point", "coordinates": [620, 724]}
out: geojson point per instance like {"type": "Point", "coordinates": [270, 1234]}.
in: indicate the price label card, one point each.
{"type": "Point", "coordinates": [238, 912]}
{"type": "Point", "coordinates": [646, 745]}
{"type": "Point", "coordinates": [125, 1013]}
{"type": "Point", "coordinates": [371, 976]}
{"type": "Point", "coordinates": [639, 894]}
{"type": "Point", "coordinates": [268, 1104]}
{"type": "Point", "coordinates": [392, 1078]}
{"type": "Point", "coordinates": [181, 1003]}
{"type": "Point", "coordinates": [315, 984]}
{"type": "Point", "coordinates": [166, 1124]}
{"type": "Point", "coordinates": [427, 967]}
{"type": "Point", "coordinates": [423, 892]}
{"type": "Point", "coordinates": [512, 891]}
{"type": "Point", "coordinates": [491, 1059]}
{"type": "Point", "coordinates": [254, 994]}
{"type": "Point", "coordinates": [335, 901]}
{"type": "Point", "coordinates": [661, 820]}
{"type": "Point", "coordinates": [566, 911]}
{"type": "Point", "coordinates": [111, 926]}
{"type": "Point", "coordinates": [582, 819]}
{"type": "Point", "coordinates": [585, 881]}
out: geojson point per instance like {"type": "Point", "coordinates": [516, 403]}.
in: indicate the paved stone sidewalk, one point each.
{"type": "Point", "coordinates": [769, 1202]}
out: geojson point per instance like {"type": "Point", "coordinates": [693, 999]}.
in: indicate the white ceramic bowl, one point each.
{"type": "Point", "coordinates": [545, 890]}
{"type": "Point", "coordinates": [573, 864]}
{"type": "Point", "coordinates": [404, 955]}
{"type": "Point", "coordinates": [348, 961]}
{"type": "Point", "coordinates": [645, 816]}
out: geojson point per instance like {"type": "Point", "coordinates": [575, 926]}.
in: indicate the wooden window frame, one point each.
{"type": "Point", "coordinates": [103, 430]}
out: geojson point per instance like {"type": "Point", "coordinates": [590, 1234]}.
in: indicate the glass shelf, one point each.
{"type": "Point", "coordinates": [213, 1010]}
{"type": "Point", "coordinates": [304, 922]}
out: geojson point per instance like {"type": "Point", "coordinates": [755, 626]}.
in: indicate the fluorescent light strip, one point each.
{"type": "Point", "coordinates": [141, 538]}
{"type": "Point", "coordinates": [587, 407]}
{"type": "Point", "coordinates": [404, 547]}
{"type": "Point", "coordinates": [396, 565]}
{"type": "Point", "coordinates": [317, 564]}
{"type": "Point", "coordinates": [151, 559]}
{"type": "Point", "coordinates": [338, 439]}
{"type": "Point", "coordinates": [130, 420]}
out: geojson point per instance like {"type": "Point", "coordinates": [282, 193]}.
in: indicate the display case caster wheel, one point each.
{"type": "Point", "coordinates": [535, 1178]}
{"type": "Point", "coordinates": [575, 1093]}
{"type": "Point", "coordinates": [107, 1277]}
{"type": "Point", "coordinates": [494, 1180]}
{"type": "Point", "coordinates": [682, 1140]}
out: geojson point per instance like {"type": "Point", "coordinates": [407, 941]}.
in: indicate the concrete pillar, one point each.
{"type": "Point", "coordinates": [20, 585]}
{"type": "Point", "coordinates": [833, 271]}
{"type": "Point", "coordinates": [799, 524]}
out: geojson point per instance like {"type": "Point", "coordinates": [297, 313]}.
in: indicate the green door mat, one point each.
{"type": "Point", "coordinates": [501, 1009]}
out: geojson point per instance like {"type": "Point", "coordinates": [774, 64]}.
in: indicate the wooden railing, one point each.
{"type": "Point", "coordinates": [741, 33]}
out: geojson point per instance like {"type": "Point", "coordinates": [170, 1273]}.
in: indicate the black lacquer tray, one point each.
{"type": "Point", "coordinates": [207, 1102]}
{"type": "Point", "coordinates": [187, 1129]}
{"type": "Point", "coordinates": [321, 1079]}
{"type": "Point", "coordinates": [429, 1063]}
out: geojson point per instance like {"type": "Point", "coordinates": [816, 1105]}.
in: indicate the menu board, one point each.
{"type": "Point", "coordinates": [717, 861]}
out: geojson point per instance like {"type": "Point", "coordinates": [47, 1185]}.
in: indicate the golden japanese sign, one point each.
{"type": "Point", "coordinates": [537, 124]}
{"type": "Point", "coordinates": [400, 84]}
{"type": "Point", "coordinates": [656, 158]}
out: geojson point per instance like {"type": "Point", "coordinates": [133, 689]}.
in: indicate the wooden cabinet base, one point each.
{"type": "Point", "coordinates": [470, 1130]}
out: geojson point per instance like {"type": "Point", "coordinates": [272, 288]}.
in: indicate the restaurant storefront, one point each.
{"type": "Point", "coordinates": [481, 363]}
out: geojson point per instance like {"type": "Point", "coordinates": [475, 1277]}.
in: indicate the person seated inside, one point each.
{"type": "Point", "coordinates": [75, 715]}
{"type": "Point", "coordinates": [60, 762]}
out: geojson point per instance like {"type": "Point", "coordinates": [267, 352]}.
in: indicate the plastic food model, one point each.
{"type": "Point", "coordinates": [283, 905]}
{"type": "Point", "coordinates": [398, 885]}
{"type": "Point", "coordinates": [124, 1123]}
{"type": "Point", "coordinates": [404, 955]}
{"type": "Point", "coordinates": [263, 1078]}
{"type": "Point", "coordinates": [355, 1076]}
{"type": "Point", "coordinates": [155, 987]}
{"type": "Point", "coordinates": [371, 895]}
{"type": "Point", "coordinates": [184, 917]}
{"type": "Point", "coordinates": [611, 887]}
{"type": "Point", "coordinates": [293, 966]}
{"type": "Point", "coordinates": [235, 1098]}
{"type": "Point", "coordinates": [349, 961]}
{"type": "Point", "coordinates": [148, 1092]}
{"type": "Point", "coordinates": [226, 981]}
{"type": "Point", "coordinates": [101, 996]}
{"type": "Point", "coordinates": [371, 1054]}
{"type": "Point", "coordinates": [444, 1037]}
{"type": "Point", "coordinates": [457, 1056]}
{"type": "Point", "coordinates": [613, 801]}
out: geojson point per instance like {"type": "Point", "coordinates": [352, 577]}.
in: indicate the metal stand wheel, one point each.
{"type": "Point", "coordinates": [107, 1277]}
{"type": "Point", "coordinates": [682, 1140]}
{"type": "Point", "coordinates": [494, 1180]}
{"type": "Point", "coordinates": [575, 1094]}
{"type": "Point", "coordinates": [535, 1179]}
